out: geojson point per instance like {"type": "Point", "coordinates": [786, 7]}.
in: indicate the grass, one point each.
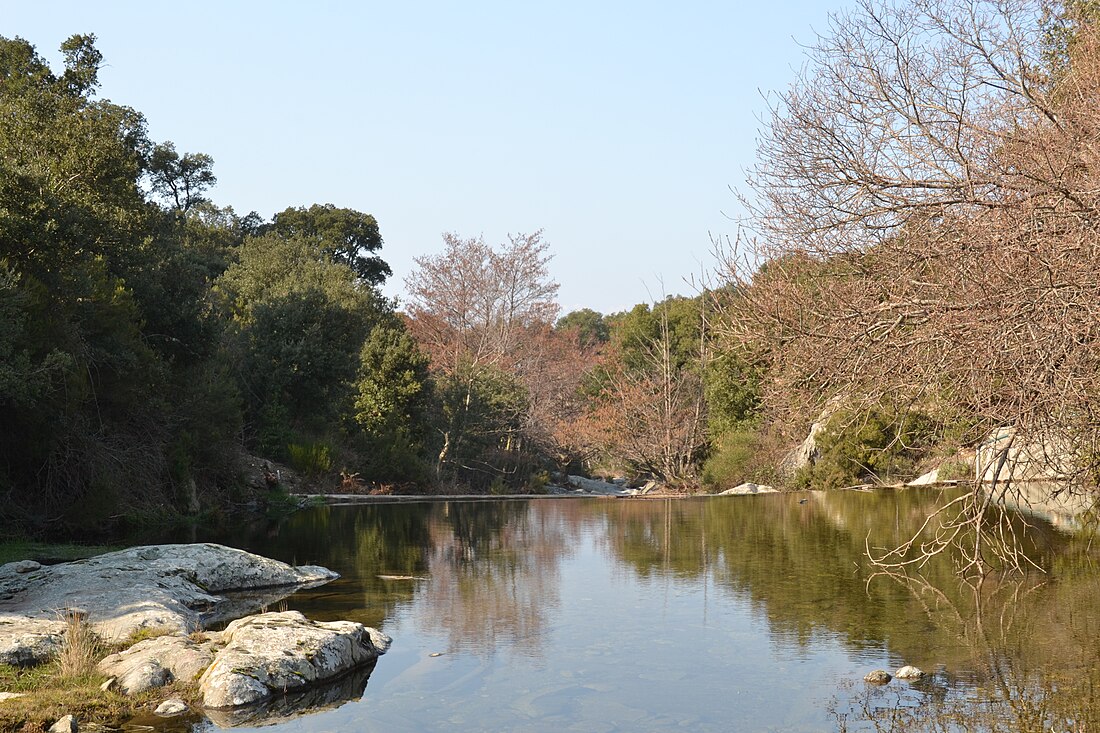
{"type": "Point", "coordinates": [70, 684]}
{"type": "Point", "coordinates": [49, 696]}
{"type": "Point", "coordinates": [80, 649]}
{"type": "Point", "coordinates": [47, 553]}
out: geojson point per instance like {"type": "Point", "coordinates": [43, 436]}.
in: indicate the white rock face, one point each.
{"type": "Point", "coordinates": [749, 488]}
{"type": "Point", "coordinates": [156, 662]}
{"type": "Point", "coordinates": [168, 587]}
{"type": "Point", "coordinates": [273, 653]}
{"type": "Point", "coordinates": [595, 486]}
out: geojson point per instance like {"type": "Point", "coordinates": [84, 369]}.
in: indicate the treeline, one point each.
{"type": "Point", "coordinates": [148, 337]}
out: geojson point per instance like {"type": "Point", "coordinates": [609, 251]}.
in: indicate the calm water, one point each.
{"type": "Point", "coordinates": [723, 614]}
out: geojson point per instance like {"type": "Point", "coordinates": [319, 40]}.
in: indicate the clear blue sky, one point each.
{"type": "Point", "coordinates": [618, 128]}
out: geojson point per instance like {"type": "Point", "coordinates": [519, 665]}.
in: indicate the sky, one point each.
{"type": "Point", "coordinates": [620, 129]}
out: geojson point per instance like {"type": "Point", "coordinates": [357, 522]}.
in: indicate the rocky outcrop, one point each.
{"type": "Point", "coordinates": [170, 588]}
{"type": "Point", "coordinates": [275, 653]}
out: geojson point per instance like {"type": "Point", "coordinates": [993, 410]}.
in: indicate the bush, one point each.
{"type": "Point", "coordinates": [310, 459]}
{"type": "Point", "coordinates": [879, 445]}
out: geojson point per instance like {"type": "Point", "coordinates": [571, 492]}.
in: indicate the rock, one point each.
{"type": "Point", "coordinates": [161, 587]}
{"type": "Point", "coordinates": [878, 677]}
{"type": "Point", "coordinates": [909, 673]}
{"type": "Point", "coordinates": [109, 685]}
{"type": "Point", "coordinates": [594, 486]}
{"type": "Point", "coordinates": [26, 641]}
{"type": "Point", "coordinates": [20, 566]}
{"type": "Point", "coordinates": [156, 662]}
{"type": "Point", "coordinates": [926, 479]}
{"type": "Point", "coordinates": [806, 454]}
{"type": "Point", "coordinates": [171, 708]}
{"type": "Point", "coordinates": [274, 653]}
{"type": "Point", "coordinates": [10, 695]}
{"type": "Point", "coordinates": [749, 488]}
{"type": "Point", "coordinates": [65, 725]}
{"type": "Point", "coordinates": [283, 708]}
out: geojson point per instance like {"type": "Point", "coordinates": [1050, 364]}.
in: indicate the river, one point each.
{"type": "Point", "coordinates": [756, 613]}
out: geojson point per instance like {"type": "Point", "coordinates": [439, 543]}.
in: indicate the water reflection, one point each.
{"type": "Point", "coordinates": [555, 603]}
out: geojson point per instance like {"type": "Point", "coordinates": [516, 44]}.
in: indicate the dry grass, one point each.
{"type": "Point", "coordinates": [80, 648]}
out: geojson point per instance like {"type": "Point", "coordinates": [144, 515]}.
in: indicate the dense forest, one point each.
{"type": "Point", "coordinates": [152, 342]}
{"type": "Point", "coordinates": [919, 268]}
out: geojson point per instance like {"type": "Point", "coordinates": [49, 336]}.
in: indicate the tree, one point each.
{"type": "Point", "coordinates": [926, 205]}
{"type": "Point", "coordinates": [393, 403]}
{"type": "Point", "coordinates": [298, 321]}
{"type": "Point", "coordinates": [589, 326]}
{"type": "Point", "coordinates": [473, 309]}
{"type": "Point", "coordinates": [180, 179]}
{"type": "Point", "coordinates": [652, 381]}
{"type": "Point", "coordinates": [345, 235]}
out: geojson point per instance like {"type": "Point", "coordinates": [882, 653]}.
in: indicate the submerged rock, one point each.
{"type": "Point", "coordinates": [273, 653]}
{"type": "Point", "coordinates": [286, 707]}
{"type": "Point", "coordinates": [909, 673]}
{"type": "Point", "coordinates": [878, 677]}
{"type": "Point", "coordinates": [164, 587]}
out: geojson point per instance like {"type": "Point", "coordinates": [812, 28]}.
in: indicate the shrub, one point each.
{"type": "Point", "coordinates": [310, 459]}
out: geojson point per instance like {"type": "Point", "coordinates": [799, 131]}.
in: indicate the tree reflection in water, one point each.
{"type": "Point", "coordinates": [1005, 651]}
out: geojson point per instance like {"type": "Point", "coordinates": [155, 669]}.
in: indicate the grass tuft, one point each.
{"type": "Point", "coordinates": [80, 648]}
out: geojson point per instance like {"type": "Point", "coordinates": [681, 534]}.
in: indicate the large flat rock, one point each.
{"type": "Point", "coordinates": [173, 588]}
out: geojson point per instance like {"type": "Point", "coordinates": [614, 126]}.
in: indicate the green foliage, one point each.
{"type": "Point", "coordinates": [144, 331]}
{"type": "Point", "coordinates": [392, 404]}
{"type": "Point", "coordinates": [732, 459]}
{"type": "Point", "coordinates": [311, 459]}
{"type": "Point", "coordinates": [732, 390]}
{"type": "Point", "coordinates": [345, 235]}
{"type": "Point", "coordinates": [479, 411]}
{"type": "Point", "coordinates": [876, 445]}
{"type": "Point", "coordinates": [956, 470]}
{"type": "Point", "coordinates": [590, 327]}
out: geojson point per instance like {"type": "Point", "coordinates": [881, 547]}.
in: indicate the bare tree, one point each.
{"type": "Point", "coordinates": [483, 315]}
{"type": "Point", "coordinates": [924, 224]}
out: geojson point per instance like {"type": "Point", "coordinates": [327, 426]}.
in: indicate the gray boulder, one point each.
{"type": "Point", "coordinates": [274, 653]}
{"type": "Point", "coordinates": [162, 587]}
{"type": "Point", "coordinates": [156, 662]}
